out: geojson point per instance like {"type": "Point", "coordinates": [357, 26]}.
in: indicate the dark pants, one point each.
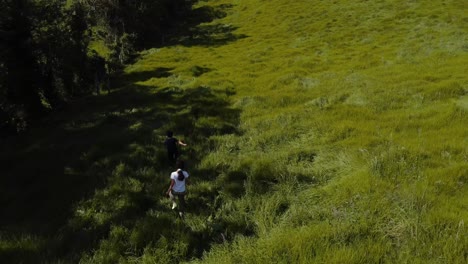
{"type": "Point", "coordinates": [173, 155]}
{"type": "Point", "coordinates": [181, 197]}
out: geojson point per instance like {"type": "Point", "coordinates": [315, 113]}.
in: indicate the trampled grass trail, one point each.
{"type": "Point", "coordinates": [318, 132]}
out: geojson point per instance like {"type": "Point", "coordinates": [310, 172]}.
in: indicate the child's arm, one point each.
{"type": "Point", "coordinates": [170, 187]}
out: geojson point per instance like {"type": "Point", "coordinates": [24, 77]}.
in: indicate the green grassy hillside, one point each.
{"type": "Point", "coordinates": [318, 132]}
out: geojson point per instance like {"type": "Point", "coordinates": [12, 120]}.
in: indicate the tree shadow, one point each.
{"type": "Point", "coordinates": [44, 170]}
{"type": "Point", "coordinates": [193, 29]}
{"type": "Point", "coordinates": [211, 35]}
{"type": "Point", "coordinates": [141, 76]}
{"type": "Point", "coordinates": [199, 70]}
{"type": "Point", "coordinates": [50, 171]}
{"type": "Point", "coordinates": [74, 155]}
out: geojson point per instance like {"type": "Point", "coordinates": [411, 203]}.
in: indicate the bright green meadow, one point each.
{"type": "Point", "coordinates": [317, 132]}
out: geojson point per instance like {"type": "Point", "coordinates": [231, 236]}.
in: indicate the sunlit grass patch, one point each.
{"type": "Point", "coordinates": [348, 114]}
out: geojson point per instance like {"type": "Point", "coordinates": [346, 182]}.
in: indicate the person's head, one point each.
{"type": "Point", "coordinates": [180, 164]}
{"type": "Point", "coordinates": [169, 133]}
{"type": "Point", "coordinates": [180, 175]}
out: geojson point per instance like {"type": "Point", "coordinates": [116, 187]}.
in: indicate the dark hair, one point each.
{"type": "Point", "coordinates": [180, 164]}
{"type": "Point", "coordinates": [169, 133]}
{"type": "Point", "coordinates": [180, 175]}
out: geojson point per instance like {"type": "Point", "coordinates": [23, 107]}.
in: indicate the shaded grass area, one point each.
{"type": "Point", "coordinates": [200, 27]}
{"type": "Point", "coordinates": [200, 31]}
{"type": "Point", "coordinates": [103, 168]}
{"type": "Point", "coordinates": [74, 191]}
{"type": "Point", "coordinates": [53, 156]}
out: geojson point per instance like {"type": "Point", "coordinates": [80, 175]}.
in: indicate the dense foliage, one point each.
{"type": "Point", "coordinates": [45, 49]}
{"type": "Point", "coordinates": [44, 56]}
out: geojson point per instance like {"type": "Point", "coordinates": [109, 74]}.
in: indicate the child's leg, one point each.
{"type": "Point", "coordinates": [173, 199]}
{"type": "Point", "coordinates": [181, 202]}
{"type": "Point", "coordinates": [171, 156]}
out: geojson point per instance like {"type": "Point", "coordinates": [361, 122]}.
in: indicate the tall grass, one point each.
{"type": "Point", "coordinates": [318, 132]}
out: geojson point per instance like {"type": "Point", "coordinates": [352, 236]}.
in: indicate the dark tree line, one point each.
{"type": "Point", "coordinates": [131, 24]}
{"type": "Point", "coordinates": [43, 58]}
{"type": "Point", "coordinates": [44, 49]}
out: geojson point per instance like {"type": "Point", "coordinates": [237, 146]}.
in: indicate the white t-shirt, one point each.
{"type": "Point", "coordinates": [179, 186]}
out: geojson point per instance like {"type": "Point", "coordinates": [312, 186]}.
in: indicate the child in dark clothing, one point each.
{"type": "Point", "coordinates": [171, 145]}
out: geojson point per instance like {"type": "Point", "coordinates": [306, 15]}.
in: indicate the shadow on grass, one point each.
{"type": "Point", "coordinates": [195, 30]}
{"type": "Point", "coordinates": [75, 159]}
{"type": "Point", "coordinates": [141, 76]}
{"type": "Point", "coordinates": [91, 155]}
{"type": "Point", "coordinates": [211, 35]}
{"type": "Point", "coordinates": [48, 169]}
